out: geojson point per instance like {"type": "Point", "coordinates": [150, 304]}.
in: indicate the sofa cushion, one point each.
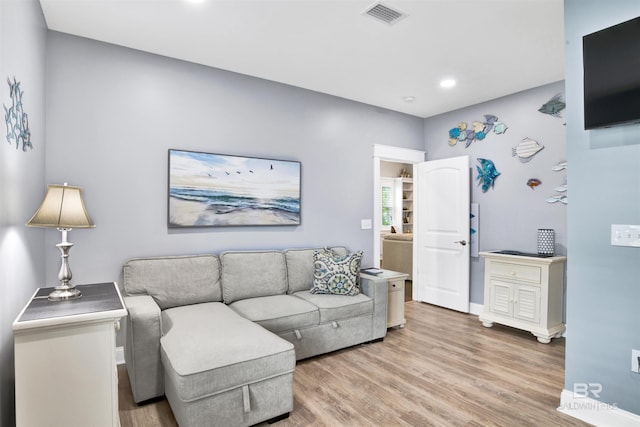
{"type": "Point", "coordinates": [336, 274]}
{"type": "Point", "coordinates": [338, 307]}
{"type": "Point", "coordinates": [174, 281]}
{"type": "Point", "coordinates": [248, 274]}
{"type": "Point", "coordinates": [300, 267]}
{"type": "Point", "coordinates": [224, 351]}
{"type": "Point", "coordinates": [278, 313]}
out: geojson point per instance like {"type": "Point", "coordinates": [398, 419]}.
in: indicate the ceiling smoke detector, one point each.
{"type": "Point", "coordinates": [384, 13]}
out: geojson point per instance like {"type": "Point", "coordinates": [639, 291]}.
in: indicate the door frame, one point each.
{"type": "Point", "coordinates": [397, 155]}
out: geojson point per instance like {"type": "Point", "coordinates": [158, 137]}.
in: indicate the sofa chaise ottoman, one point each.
{"type": "Point", "coordinates": [219, 335]}
{"type": "Point", "coordinates": [228, 369]}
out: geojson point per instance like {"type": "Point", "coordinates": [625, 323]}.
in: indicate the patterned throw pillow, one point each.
{"type": "Point", "coordinates": [336, 274]}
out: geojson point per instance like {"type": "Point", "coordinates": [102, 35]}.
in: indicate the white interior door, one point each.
{"type": "Point", "coordinates": [443, 233]}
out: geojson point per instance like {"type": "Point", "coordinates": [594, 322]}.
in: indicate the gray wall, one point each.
{"type": "Point", "coordinates": [22, 184]}
{"type": "Point", "coordinates": [603, 288]}
{"type": "Point", "coordinates": [511, 212]}
{"type": "Point", "coordinates": [113, 112]}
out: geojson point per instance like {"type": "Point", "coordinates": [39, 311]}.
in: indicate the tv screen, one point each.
{"type": "Point", "coordinates": [611, 61]}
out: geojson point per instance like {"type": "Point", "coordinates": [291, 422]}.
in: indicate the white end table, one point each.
{"type": "Point", "coordinates": [65, 363]}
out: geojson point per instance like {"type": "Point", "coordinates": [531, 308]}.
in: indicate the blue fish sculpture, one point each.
{"type": "Point", "coordinates": [499, 128]}
{"type": "Point", "coordinates": [487, 174]}
{"type": "Point", "coordinates": [553, 106]}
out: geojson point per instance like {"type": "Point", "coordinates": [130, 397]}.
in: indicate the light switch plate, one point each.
{"type": "Point", "coordinates": [625, 235]}
{"type": "Point", "coordinates": [365, 224]}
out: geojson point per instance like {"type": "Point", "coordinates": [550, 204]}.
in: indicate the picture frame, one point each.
{"type": "Point", "coordinates": [220, 190]}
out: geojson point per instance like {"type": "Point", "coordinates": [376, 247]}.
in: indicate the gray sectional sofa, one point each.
{"type": "Point", "coordinates": [220, 335]}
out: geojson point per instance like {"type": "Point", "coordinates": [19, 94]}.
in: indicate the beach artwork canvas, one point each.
{"type": "Point", "coordinates": [221, 190]}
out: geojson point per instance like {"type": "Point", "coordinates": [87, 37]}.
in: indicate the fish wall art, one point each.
{"type": "Point", "coordinates": [554, 106]}
{"type": "Point", "coordinates": [16, 119]}
{"type": "Point", "coordinates": [562, 189]}
{"type": "Point", "coordinates": [526, 149]}
{"type": "Point", "coordinates": [487, 174]}
{"type": "Point", "coordinates": [477, 132]}
{"type": "Point", "coordinates": [558, 198]}
{"type": "Point", "coordinates": [533, 183]}
{"type": "Point", "coordinates": [474, 230]}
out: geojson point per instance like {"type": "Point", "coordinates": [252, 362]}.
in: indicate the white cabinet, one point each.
{"type": "Point", "coordinates": [524, 292]}
{"type": "Point", "coordinates": [65, 363]}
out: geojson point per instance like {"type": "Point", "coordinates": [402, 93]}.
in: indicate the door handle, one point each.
{"type": "Point", "coordinates": [462, 242]}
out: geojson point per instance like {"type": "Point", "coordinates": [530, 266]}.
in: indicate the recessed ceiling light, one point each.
{"type": "Point", "coordinates": [195, 1]}
{"type": "Point", "coordinates": [447, 83]}
{"type": "Point", "coordinates": [408, 98]}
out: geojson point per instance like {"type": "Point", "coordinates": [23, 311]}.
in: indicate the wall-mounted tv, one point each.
{"type": "Point", "coordinates": [611, 61]}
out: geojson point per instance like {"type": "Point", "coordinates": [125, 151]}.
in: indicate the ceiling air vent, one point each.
{"type": "Point", "coordinates": [384, 13]}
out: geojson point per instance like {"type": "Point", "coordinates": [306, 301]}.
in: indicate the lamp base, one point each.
{"type": "Point", "coordinates": [62, 293]}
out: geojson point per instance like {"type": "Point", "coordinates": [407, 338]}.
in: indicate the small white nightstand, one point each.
{"type": "Point", "coordinates": [65, 363]}
{"type": "Point", "coordinates": [395, 300]}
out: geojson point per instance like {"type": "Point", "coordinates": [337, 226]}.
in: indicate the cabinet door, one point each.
{"type": "Point", "coordinates": [68, 374]}
{"type": "Point", "coordinates": [395, 303]}
{"type": "Point", "coordinates": [527, 303]}
{"type": "Point", "coordinates": [501, 298]}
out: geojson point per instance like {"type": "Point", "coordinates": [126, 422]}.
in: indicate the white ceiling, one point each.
{"type": "Point", "coordinates": [491, 47]}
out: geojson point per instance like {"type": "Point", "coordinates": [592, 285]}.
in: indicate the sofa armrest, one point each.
{"type": "Point", "coordinates": [377, 289]}
{"type": "Point", "coordinates": [142, 347]}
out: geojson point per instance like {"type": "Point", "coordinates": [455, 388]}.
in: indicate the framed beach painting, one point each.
{"type": "Point", "coordinates": [213, 190]}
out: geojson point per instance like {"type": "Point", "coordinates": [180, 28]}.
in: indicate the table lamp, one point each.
{"type": "Point", "coordinates": [63, 208]}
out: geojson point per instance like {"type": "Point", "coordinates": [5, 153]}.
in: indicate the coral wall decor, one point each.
{"type": "Point", "coordinates": [16, 119]}
{"type": "Point", "coordinates": [477, 132]}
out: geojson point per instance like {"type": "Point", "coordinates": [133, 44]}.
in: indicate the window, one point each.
{"type": "Point", "coordinates": [387, 190]}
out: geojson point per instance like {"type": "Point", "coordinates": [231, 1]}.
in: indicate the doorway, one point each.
{"type": "Point", "coordinates": [385, 153]}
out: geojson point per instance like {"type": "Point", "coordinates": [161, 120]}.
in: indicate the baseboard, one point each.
{"type": "Point", "coordinates": [476, 309]}
{"type": "Point", "coordinates": [120, 355]}
{"type": "Point", "coordinates": [595, 412]}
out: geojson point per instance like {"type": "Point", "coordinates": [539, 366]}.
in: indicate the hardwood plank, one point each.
{"type": "Point", "coordinates": [443, 369]}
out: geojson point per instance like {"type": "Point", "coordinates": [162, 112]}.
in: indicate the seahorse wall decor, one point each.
{"type": "Point", "coordinates": [16, 119]}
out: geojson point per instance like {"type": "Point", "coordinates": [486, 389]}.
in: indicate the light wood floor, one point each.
{"type": "Point", "coordinates": [443, 369]}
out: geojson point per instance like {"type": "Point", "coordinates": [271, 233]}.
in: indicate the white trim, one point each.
{"type": "Point", "coordinates": [377, 210]}
{"type": "Point", "coordinates": [595, 412]}
{"type": "Point", "coordinates": [398, 154]}
{"type": "Point", "coordinates": [119, 355]}
{"type": "Point", "coordinates": [476, 309]}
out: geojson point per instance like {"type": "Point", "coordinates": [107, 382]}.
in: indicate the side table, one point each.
{"type": "Point", "coordinates": [65, 362]}
{"type": "Point", "coordinates": [395, 301]}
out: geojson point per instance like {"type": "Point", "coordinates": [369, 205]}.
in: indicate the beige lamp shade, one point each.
{"type": "Point", "coordinates": [62, 207]}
